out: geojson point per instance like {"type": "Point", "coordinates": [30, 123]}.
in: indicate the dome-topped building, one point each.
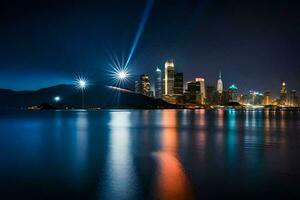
{"type": "Point", "coordinates": [233, 93]}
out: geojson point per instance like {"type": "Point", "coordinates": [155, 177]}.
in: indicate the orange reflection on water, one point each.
{"type": "Point", "coordinates": [282, 120]}
{"type": "Point", "coordinates": [202, 139]}
{"type": "Point", "coordinates": [202, 117]}
{"type": "Point", "coordinates": [267, 121]}
{"type": "Point", "coordinates": [169, 135]}
{"type": "Point", "coordinates": [172, 182]}
{"type": "Point", "coordinates": [169, 118]}
{"type": "Point", "coordinates": [220, 118]}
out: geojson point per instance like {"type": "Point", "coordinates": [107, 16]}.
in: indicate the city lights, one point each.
{"type": "Point", "coordinates": [81, 83]}
{"type": "Point", "coordinates": [56, 99]}
{"type": "Point", "coordinates": [119, 75]}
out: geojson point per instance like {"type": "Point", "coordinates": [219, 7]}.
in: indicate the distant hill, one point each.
{"type": "Point", "coordinates": [95, 96]}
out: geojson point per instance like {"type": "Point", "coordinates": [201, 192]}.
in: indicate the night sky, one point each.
{"type": "Point", "coordinates": [255, 43]}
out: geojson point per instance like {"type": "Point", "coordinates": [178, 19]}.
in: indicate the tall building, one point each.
{"type": "Point", "coordinates": [178, 84]}
{"type": "Point", "coordinates": [192, 92]}
{"type": "Point", "coordinates": [267, 98]}
{"type": "Point", "coordinates": [293, 100]}
{"type": "Point", "coordinates": [202, 94]}
{"type": "Point", "coordinates": [255, 98]}
{"type": "Point", "coordinates": [220, 84]}
{"type": "Point", "coordinates": [211, 95]}
{"type": "Point", "coordinates": [169, 78]}
{"type": "Point", "coordinates": [137, 87]}
{"type": "Point", "coordinates": [158, 85]}
{"type": "Point", "coordinates": [283, 93]}
{"type": "Point", "coordinates": [142, 86]}
{"type": "Point", "coordinates": [233, 93]}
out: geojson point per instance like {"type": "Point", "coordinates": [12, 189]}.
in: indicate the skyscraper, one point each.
{"type": "Point", "coordinates": [158, 91]}
{"type": "Point", "coordinates": [267, 98]}
{"type": "Point", "coordinates": [220, 84]}
{"type": "Point", "coordinates": [283, 93]}
{"type": "Point", "coordinates": [233, 93]}
{"type": "Point", "coordinates": [142, 86]}
{"type": "Point", "coordinates": [293, 98]}
{"type": "Point", "coordinates": [169, 77]}
{"type": "Point", "coordinates": [178, 84]}
{"type": "Point", "coordinates": [201, 82]}
{"type": "Point", "coordinates": [137, 87]}
{"type": "Point", "coordinates": [192, 92]}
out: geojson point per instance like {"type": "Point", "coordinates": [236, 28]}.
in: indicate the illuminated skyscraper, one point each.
{"type": "Point", "coordinates": [158, 91]}
{"type": "Point", "coordinates": [293, 99]}
{"type": "Point", "coordinates": [267, 98]}
{"type": "Point", "coordinates": [143, 85]}
{"type": "Point", "coordinates": [178, 84]}
{"type": "Point", "coordinates": [202, 89]}
{"type": "Point", "coordinates": [169, 78]}
{"type": "Point", "coordinates": [283, 93]}
{"type": "Point", "coordinates": [233, 93]}
{"type": "Point", "coordinates": [255, 98]}
{"type": "Point", "coordinates": [220, 84]}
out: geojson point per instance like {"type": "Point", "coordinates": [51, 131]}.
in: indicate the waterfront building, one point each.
{"type": "Point", "coordinates": [178, 84]}
{"type": "Point", "coordinates": [256, 98]}
{"type": "Point", "coordinates": [137, 87]}
{"type": "Point", "coordinates": [283, 94]}
{"type": "Point", "coordinates": [142, 86]}
{"type": "Point", "coordinates": [233, 93]}
{"type": "Point", "coordinates": [158, 84]}
{"type": "Point", "coordinates": [191, 93]}
{"type": "Point", "coordinates": [169, 78]}
{"type": "Point", "coordinates": [220, 84]}
{"type": "Point", "coordinates": [202, 94]}
{"type": "Point", "coordinates": [195, 92]}
{"type": "Point", "coordinates": [267, 98]}
{"type": "Point", "coordinates": [293, 100]}
{"type": "Point", "coordinates": [212, 96]}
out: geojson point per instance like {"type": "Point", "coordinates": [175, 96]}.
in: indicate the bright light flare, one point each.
{"type": "Point", "coordinates": [122, 74]}
{"type": "Point", "coordinates": [119, 75]}
{"type": "Point", "coordinates": [57, 99]}
{"type": "Point", "coordinates": [81, 83]}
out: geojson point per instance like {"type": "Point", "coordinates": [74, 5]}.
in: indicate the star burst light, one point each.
{"type": "Point", "coordinates": [81, 83]}
{"type": "Point", "coordinates": [119, 75]}
{"type": "Point", "coordinates": [122, 74]}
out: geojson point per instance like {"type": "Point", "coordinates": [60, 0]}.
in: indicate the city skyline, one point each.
{"type": "Point", "coordinates": [205, 39]}
{"type": "Point", "coordinates": [149, 99]}
{"type": "Point", "coordinates": [171, 87]}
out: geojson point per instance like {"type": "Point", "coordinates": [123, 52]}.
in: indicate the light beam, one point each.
{"type": "Point", "coordinates": [141, 27]}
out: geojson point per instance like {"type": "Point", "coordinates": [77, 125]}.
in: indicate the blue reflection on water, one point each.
{"type": "Point", "coordinates": [120, 178]}
{"type": "Point", "coordinates": [137, 154]}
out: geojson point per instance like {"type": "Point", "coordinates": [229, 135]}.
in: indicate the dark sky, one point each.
{"type": "Point", "coordinates": [255, 43]}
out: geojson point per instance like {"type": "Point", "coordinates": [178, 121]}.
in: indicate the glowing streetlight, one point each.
{"type": "Point", "coordinates": [57, 99]}
{"type": "Point", "coordinates": [81, 83]}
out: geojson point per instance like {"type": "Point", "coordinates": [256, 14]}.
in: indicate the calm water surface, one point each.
{"type": "Point", "coordinates": [156, 154]}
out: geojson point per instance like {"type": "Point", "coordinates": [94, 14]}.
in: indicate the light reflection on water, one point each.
{"type": "Point", "coordinates": [149, 154]}
{"type": "Point", "coordinates": [119, 171]}
{"type": "Point", "coordinates": [171, 180]}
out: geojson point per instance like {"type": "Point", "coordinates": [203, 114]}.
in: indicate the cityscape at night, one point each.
{"type": "Point", "coordinates": [170, 87]}
{"type": "Point", "coordinates": [149, 99]}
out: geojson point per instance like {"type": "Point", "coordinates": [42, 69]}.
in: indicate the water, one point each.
{"type": "Point", "coordinates": [156, 154]}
